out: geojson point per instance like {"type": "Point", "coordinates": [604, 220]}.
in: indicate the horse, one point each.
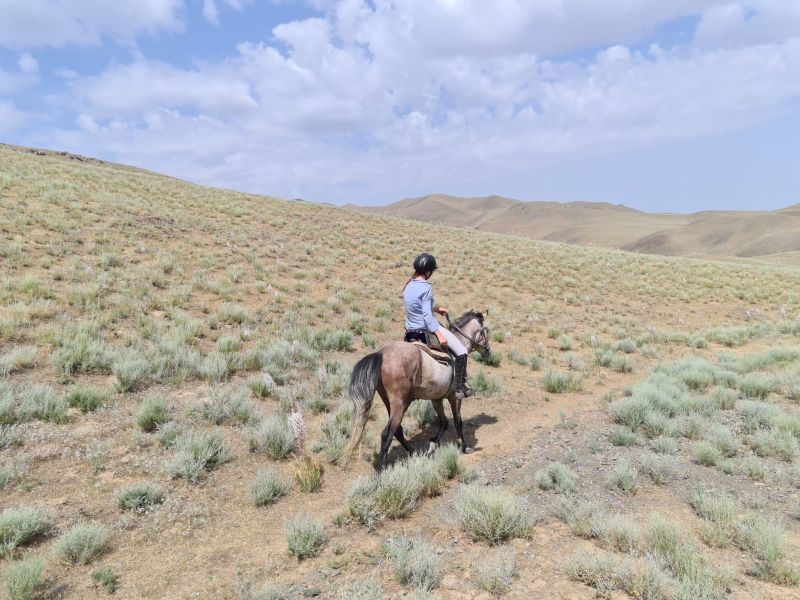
{"type": "Point", "coordinates": [401, 372]}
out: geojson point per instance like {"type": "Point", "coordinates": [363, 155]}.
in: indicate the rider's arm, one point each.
{"type": "Point", "coordinates": [426, 302]}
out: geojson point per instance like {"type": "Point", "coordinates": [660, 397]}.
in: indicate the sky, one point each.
{"type": "Point", "coordinates": [664, 106]}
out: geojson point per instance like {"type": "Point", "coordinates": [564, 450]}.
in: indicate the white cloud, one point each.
{"type": "Point", "coordinates": [28, 64]}
{"type": "Point", "coordinates": [372, 96]}
{"type": "Point", "coordinates": [10, 117]}
{"type": "Point", "coordinates": [56, 23]}
{"type": "Point", "coordinates": [211, 12]}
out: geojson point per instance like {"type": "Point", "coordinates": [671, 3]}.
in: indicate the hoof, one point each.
{"type": "Point", "coordinates": [432, 447]}
{"type": "Point", "coordinates": [467, 450]}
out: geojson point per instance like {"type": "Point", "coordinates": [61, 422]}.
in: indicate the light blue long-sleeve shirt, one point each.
{"type": "Point", "coordinates": [418, 297]}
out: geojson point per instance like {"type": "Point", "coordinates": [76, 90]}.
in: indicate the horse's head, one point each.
{"type": "Point", "coordinates": [472, 326]}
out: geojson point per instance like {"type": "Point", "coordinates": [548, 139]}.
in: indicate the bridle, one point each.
{"type": "Point", "coordinates": [484, 331]}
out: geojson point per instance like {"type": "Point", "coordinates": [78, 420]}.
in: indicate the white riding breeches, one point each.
{"type": "Point", "coordinates": [453, 343]}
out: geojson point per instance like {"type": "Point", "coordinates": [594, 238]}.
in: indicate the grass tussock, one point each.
{"type": "Point", "coordinates": [140, 498]}
{"type": "Point", "coordinates": [196, 452]}
{"type": "Point", "coordinates": [268, 487]}
{"type": "Point", "coordinates": [414, 562]}
{"type": "Point", "coordinates": [493, 514]}
{"type": "Point", "coordinates": [82, 543]}
{"type": "Point", "coordinates": [20, 526]}
{"type": "Point", "coordinates": [557, 477]}
{"type": "Point", "coordinates": [22, 577]}
{"type": "Point", "coordinates": [304, 536]}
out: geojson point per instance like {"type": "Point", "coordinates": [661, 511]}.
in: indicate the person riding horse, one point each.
{"type": "Point", "coordinates": [418, 298]}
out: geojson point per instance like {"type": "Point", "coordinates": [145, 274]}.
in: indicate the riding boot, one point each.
{"type": "Point", "coordinates": [460, 384]}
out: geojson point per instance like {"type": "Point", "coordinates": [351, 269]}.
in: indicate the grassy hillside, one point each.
{"type": "Point", "coordinates": [636, 433]}
{"type": "Point", "coordinates": [707, 234]}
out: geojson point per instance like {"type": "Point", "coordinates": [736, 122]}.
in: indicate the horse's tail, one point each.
{"type": "Point", "coordinates": [363, 382]}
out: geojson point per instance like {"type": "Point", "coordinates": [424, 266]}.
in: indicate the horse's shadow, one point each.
{"type": "Point", "coordinates": [420, 440]}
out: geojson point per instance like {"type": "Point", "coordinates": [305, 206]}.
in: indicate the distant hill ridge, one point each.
{"type": "Point", "coordinates": [709, 233]}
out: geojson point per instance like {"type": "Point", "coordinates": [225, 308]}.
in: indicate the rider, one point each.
{"type": "Point", "coordinates": [418, 297]}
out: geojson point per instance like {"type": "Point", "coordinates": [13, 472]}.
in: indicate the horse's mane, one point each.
{"type": "Point", "coordinates": [467, 317]}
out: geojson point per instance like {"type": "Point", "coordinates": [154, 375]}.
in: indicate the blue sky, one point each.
{"type": "Point", "coordinates": [663, 106]}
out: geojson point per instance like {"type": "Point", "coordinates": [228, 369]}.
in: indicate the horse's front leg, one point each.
{"type": "Point", "coordinates": [455, 406]}
{"type": "Point", "coordinates": [438, 406]}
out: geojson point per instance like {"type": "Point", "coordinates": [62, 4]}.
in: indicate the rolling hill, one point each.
{"type": "Point", "coordinates": [710, 233]}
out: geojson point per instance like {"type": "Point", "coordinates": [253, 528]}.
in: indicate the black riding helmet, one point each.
{"type": "Point", "coordinates": [424, 262]}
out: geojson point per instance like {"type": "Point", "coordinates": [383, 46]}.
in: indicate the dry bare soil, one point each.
{"type": "Point", "coordinates": [635, 435]}
{"type": "Point", "coordinates": [767, 235]}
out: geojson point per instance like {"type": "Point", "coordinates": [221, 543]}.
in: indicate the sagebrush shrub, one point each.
{"type": "Point", "coordinates": [557, 477]}
{"type": "Point", "coordinates": [152, 413]}
{"type": "Point", "coordinates": [273, 436]}
{"type": "Point", "coordinates": [267, 487]}
{"type": "Point", "coordinates": [195, 452]}
{"type": "Point", "coordinates": [22, 577]}
{"type": "Point", "coordinates": [304, 536]}
{"type": "Point", "coordinates": [493, 514]}
{"type": "Point", "coordinates": [140, 497]}
{"type": "Point", "coordinates": [18, 526]}
{"type": "Point", "coordinates": [415, 563]}
{"type": "Point", "coordinates": [82, 543]}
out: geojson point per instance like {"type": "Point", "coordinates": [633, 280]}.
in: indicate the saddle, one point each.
{"type": "Point", "coordinates": [429, 343]}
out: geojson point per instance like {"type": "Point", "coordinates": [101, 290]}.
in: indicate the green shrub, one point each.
{"type": "Point", "coordinates": [659, 468]}
{"type": "Point", "coordinates": [228, 405]}
{"type": "Point", "coordinates": [623, 477]}
{"type": "Point", "coordinates": [215, 367]}
{"type": "Point", "coordinates": [756, 385]}
{"type": "Point", "coordinates": [267, 487]}
{"type": "Point", "coordinates": [579, 516]}
{"type": "Point", "coordinates": [622, 364]}
{"type": "Point", "coordinates": [140, 497]}
{"type": "Point", "coordinates": [558, 477]}
{"type": "Point", "coordinates": [484, 385]}
{"type": "Point", "coordinates": [618, 532]}
{"type": "Point", "coordinates": [304, 536]}
{"type": "Point", "coordinates": [335, 339]}
{"type": "Point", "coordinates": [272, 436]}
{"type": "Point", "coordinates": [723, 439]}
{"type": "Point", "coordinates": [308, 475]}
{"type": "Point", "coordinates": [16, 359]}
{"type": "Point", "coordinates": [22, 577]}
{"type": "Point", "coordinates": [83, 352]}
{"type": "Point", "coordinates": [86, 399]}
{"type": "Point", "coordinates": [132, 372]}
{"type": "Point", "coordinates": [622, 436]}
{"type": "Point", "coordinates": [195, 452]}
{"type": "Point", "coordinates": [361, 501]}
{"type": "Point", "coordinates": [448, 456]}
{"type": "Point", "coordinates": [490, 360]}
{"type": "Point", "coordinates": [664, 445]}
{"type": "Point", "coordinates": [82, 543]}
{"type": "Point", "coordinates": [493, 514]}
{"type": "Point", "coordinates": [594, 570]}
{"type": "Point", "coordinates": [234, 313]}
{"type": "Point", "coordinates": [627, 346]}
{"type": "Point", "coordinates": [398, 491]}
{"type": "Point", "coordinates": [496, 571]}
{"type": "Point", "coordinates": [38, 401]}
{"type": "Point", "coordinates": [251, 589]}
{"type": "Point", "coordinates": [414, 562]}
{"type": "Point", "coordinates": [106, 578]}
{"type": "Point", "coordinates": [765, 541]}
{"type": "Point", "coordinates": [152, 412]}
{"type": "Point", "coordinates": [564, 343]}
{"type": "Point", "coordinates": [556, 382]}
{"type": "Point", "coordinates": [18, 526]}
{"type": "Point", "coordinates": [706, 454]}
{"type": "Point", "coordinates": [723, 398]}
{"type": "Point", "coordinates": [774, 442]}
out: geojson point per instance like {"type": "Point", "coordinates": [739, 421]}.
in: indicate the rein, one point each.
{"type": "Point", "coordinates": [474, 342]}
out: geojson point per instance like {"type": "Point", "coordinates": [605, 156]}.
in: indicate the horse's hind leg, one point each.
{"type": "Point", "coordinates": [455, 406]}
{"type": "Point", "coordinates": [438, 406]}
{"type": "Point", "coordinates": [395, 417]}
{"type": "Point", "coordinates": [399, 433]}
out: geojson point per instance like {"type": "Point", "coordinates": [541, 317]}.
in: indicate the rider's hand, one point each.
{"type": "Point", "coordinates": [442, 311]}
{"type": "Point", "coordinates": [441, 338]}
